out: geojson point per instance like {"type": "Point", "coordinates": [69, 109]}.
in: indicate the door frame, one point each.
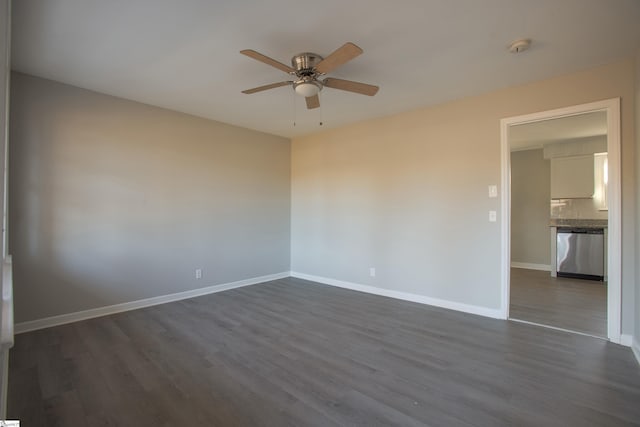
{"type": "Point", "coordinates": [614, 199]}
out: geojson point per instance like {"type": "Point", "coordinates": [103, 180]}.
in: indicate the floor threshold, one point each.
{"type": "Point", "coordinates": [557, 328]}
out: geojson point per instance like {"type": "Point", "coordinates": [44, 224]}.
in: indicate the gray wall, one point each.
{"type": "Point", "coordinates": [530, 201]}
{"type": "Point", "coordinates": [114, 201]}
{"type": "Point", "coordinates": [407, 194]}
{"type": "Point", "coordinates": [5, 43]}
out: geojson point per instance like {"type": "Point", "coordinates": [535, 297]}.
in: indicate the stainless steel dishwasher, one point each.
{"type": "Point", "coordinates": [580, 253]}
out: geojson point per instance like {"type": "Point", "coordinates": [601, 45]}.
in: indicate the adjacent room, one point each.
{"type": "Point", "coordinates": [238, 213]}
{"type": "Point", "coordinates": [559, 177]}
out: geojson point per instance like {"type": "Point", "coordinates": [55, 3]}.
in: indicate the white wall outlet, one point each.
{"type": "Point", "coordinates": [372, 272]}
{"type": "Point", "coordinates": [493, 191]}
{"type": "Point", "coordinates": [198, 273]}
{"type": "Point", "coordinates": [492, 216]}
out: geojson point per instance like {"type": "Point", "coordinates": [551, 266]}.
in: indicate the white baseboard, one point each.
{"type": "Point", "coordinates": [452, 305]}
{"type": "Point", "coordinates": [635, 347]}
{"type": "Point", "coordinates": [531, 266]}
{"type": "Point", "coordinates": [625, 340]}
{"type": "Point", "coordinates": [62, 319]}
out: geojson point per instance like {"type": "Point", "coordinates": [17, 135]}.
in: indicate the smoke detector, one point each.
{"type": "Point", "coordinates": [519, 46]}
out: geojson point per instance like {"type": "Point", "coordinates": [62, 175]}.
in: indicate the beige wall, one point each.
{"type": "Point", "coordinates": [530, 199]}
{"type": "Point", "coordinates": [114, 201]}
{"type": "Point", "coordinates": [407, 194]}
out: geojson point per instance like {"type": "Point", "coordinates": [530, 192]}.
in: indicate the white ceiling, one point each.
{"type": "Point", "coordinates": [184, 55]}
{"type": "Point", "coordinates": [535, 135]}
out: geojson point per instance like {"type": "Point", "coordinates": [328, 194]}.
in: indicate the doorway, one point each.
{"type": "Point", "coordinates": [609, 111]}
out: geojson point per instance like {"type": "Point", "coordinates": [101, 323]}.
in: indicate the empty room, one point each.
{"type": "Point", "coordinates": [416, 213]}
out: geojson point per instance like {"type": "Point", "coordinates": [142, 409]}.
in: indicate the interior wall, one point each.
{"type": "Point", "coordinates": [5, 47]}
{"type": "Point", "coordinates": [636, 332]}
{"type": "Point", "coordinates": [407, 194]}
{"type": "Point", "coordinates": [114, 201]}
{"type": "Point", "coordinates": [530, 206]}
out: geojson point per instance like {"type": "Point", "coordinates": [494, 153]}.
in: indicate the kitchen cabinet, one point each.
{"type": "Point", "coordinates": [572, 177]}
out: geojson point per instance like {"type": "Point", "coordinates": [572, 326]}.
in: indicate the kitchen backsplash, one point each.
{"type": "Point", "coordinates": [577, 209]}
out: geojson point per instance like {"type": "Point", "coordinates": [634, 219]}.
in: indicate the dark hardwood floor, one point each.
{"type": "Point", "coordinates": [573, 304]}
{"type": "Point", "coordinates": [291, 352]}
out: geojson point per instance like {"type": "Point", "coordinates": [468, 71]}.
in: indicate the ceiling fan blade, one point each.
{"type": "Point", "coordinates": [266, 87]}
{"type": "Point", "coordinates": [312, 102]}
{"type": "Point", "coordinates": [343, 54]}
{"type": "Point", "coordinates": [269, 61]}
{"type": "Point", "coordinates": [348, 85]}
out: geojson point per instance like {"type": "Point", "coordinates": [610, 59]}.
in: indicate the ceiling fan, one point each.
{"type": "Point", "coordinates": [308, 68]}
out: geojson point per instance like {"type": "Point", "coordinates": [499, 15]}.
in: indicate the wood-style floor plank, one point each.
{"type": "Point", "coordinates": [572, 304]}
{"type": "Point", "coordinates": [293, 352]}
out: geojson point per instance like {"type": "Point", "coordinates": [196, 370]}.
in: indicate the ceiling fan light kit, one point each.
{"type": "Point", "coordinates": [307, 88]}
{"type": "Point", "coordinates": [308, 68]}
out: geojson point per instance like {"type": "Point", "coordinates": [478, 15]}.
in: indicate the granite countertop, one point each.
{"type": "Point", "coordinates": [583, 223]}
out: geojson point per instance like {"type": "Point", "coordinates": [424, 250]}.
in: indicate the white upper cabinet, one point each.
{"type": "Point", "coordinates": [572, 177]}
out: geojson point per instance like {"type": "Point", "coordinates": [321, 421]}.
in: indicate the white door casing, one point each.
{"type": "Point", "coordinates": [614, 247]}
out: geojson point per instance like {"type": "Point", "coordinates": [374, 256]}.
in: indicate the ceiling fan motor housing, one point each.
{"type": "Point", "coordinates": [304, 63]}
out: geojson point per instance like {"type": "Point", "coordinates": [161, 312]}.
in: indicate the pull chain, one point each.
{"type": "Point", "coordinates": [294, 108]}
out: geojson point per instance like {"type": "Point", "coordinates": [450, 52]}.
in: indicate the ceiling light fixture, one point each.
{"type": "Point", "coordinates": [519, 46]}
{"type": "Point", "coordinates": [309, 70]}
{"type": "Point", "coordinates": [307, 88]}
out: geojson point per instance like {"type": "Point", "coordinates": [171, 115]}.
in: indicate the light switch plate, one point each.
{"type": "Point", "coordinates": [492, 216]}
{"type": "Point", "coordinates": [493, 191]}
